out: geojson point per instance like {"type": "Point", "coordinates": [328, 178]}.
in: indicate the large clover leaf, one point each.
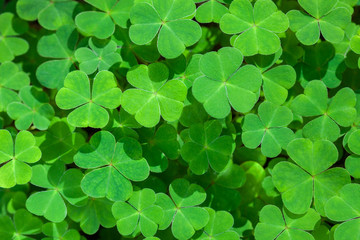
{"type": "Point", "coordinates": [170, 20]}
{"type": "Point", "coordinates": [269, 129]}
{"type": "Point", "coordinates": [15, 156]}
{"type": "Point", "coordinates": [299, 184]}
{"type": "Point", "coordinates": [138, 214]}
{"type": "Point", "coordinates": [153, 95]}
{"type": "Point", "coordinates": [89, 102]}
{"type": "Point", "coordinates": [257, 26]}
{"type": "Point", "coordinates": [114, 164]}
{"type": "Point", "coordinates": [181, 210]}
{"type": "Point", "coordinates": [210, 11]}
{"type": "Point", "coordinates": [60, 185]}
{"type": "Point", "coordinates": [325, 18]}
{"type": "Point", "coordinates": [345, 207]}
{"type": "Point", "coordinates": [206, 147]}
{"type": "Point", "coordinates": [225, 84]}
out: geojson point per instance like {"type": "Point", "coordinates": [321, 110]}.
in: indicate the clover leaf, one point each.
{"type": "Point", "coordinates": [114, 164]}
{"type": "Point", "coordinates": [181, 210]}
{"type": "Point", "coordinates": [325, 18]}
{"type": "Point", "coordinates": [101, 56]}
{"type": "Point", "coordinates": [60, 185]}
{"type": "Point", "coordinates": [226, 84]}
{"type": "Point", "coordinates": [268, 129]}
{"type": "Point", "coordinates": [354, 142]}
{"type": "Point", "coordinates": [122, 124]}
{"type": "Point", "coordinates": [59, 231]}
{"type": "Point", "coordinates": [310, 178]}
{"type": "Point", "coordinates": [14, 158]}
{"type": "Point", "coordinates": [257, 26]}
{"type": "Point", "coordinates": [153, 95]}
{"type": "Point", "coordinates": [210, 11]}
{"type": "Point", "coordinates": [11, 78]}
{"type": "Point", "coordinates": [90, 100]}
{"type": "Point", "coordinates": [206, 147]}
{"type": "Point", "coordinates": [314, 102]}
{"type": "Point", "coordinates": [170, 20]}
{"type": "Point", "coordinates": [33, 110]}
{"type": "Point", "coordinates": [138, 214]}
{"type": "Point", "coordinates": [102, 24]}
{"type": "Point", "coordinates": [344, 207]}
{"type": "Point", "coordinates": [10, 44]}
{"type": "Point", "coordinates": [277, 224]}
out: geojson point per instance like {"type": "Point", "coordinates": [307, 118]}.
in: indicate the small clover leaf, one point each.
{"type": "Point", "coordinates": [181, 210]}
{"type": "Point", "coordinates": [225, 84]}
{"type": "Point", "coordinates": [210, 11]}
{"type": "Point", "coordinates": [114, 164]}
{"type": "Point", "coordinates": [90, 105]}
{"type": "Point", "coordinates": [153, 95]}
{"type": "Point", "coordinates": [33, 110]}
{"type": "Point", "coordinates": [276, 224]}
{"type": "Point", "coordinates": [138, 214]}
{"type": "Point", "coordinates": [101, 56]}
{"type": "Point", "coordinates": [10, 44]}
{"type": "Point", "coordinates": [206, 147]}
{"type": "Point", "coordinates": [257, 26]}
{"type": "Point", "coordinates": [310, 178]}
{"type": "Point", "coordinates": [325, 18]}
{"type": "Point", "coordinates": [268, 129]}
{"type": "Point", "coordinates": [345, 207]}
{"type": "Point", "coordinates": [122, 124]}
{"type": "Point", "coordinates": [59, 231]}
{"type": "Point", "coordinates": [354, 142]}
{"type": "Point", "coordinates": [11, 78]}
{"type": "Point", "coordinates": [170, 20]}
{"type": "Point", "coordinates": [352, 164]}
{"type": "Point", "coordinates": [14, 158]}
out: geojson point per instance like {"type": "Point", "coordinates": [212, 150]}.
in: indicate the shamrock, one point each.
{"type": "Point", "coordinates": [268, 129]}
{"type": "Point", "coordinates": [153, 95]}
{"type": "Point", "coordinates": [138, 214]}
{"type": "Point", "coordinates": [33, 110]}
{"type": "Point", "coordinates": [60, 185]}
{"type": "Point", "coordinates": [101, 24]}
{"type": "Point", "coordinates": [89, 102]}
{"type": "Point", "coordinates": [122, 124]}
{"type": "Point", "coordinates": [354, 142]}
{"type": "Point", "coordinates": [101, 56]}
{"type": "Point", "coordinates": [298, 185]}
{"type": "Point", "coordinates": [114, 164]}
{"type": "Point", "coordinates": [15, 156]}
{"type": "Point", "coordinates": [352, 164]}
{"type": "Point", "coordinates": [181, 210]}
{"type": "Point", "coordinates": [21, 226]}
{"type": "Point", "coordinates": [176, 29]}
{"type": "Point", "coordinates": [95, 213]}
{"type": "Point", "coordinates": [59, 46]}
{"type": "Point", "coordinates": [50, 14]}
{"type": "Point", "coordinates": [314, 102]}
{"type": "Point", "coordinates": [277, 224]}
{"type": "Point", "coordinates": [10, 44]}
{"type": "Point", "coordinates": [210, 11]}
{"type": "Point", "coordinates": [206, 147]}
{"type": "Point", "coordinates": [257, 26]}
{"type": "Point", "coordinates": [225, 84]}
{"type": "Point", "coordinates": [59, 231]}
{"type": "Point", "coordinates": [325, 18]}
{"type": "Point", "coordinates": [11, 78]}
{"type": "Point", "coordinates": [345, 207]}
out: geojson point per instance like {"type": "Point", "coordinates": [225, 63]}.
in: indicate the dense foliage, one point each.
{"type": "Point", "coordinates": [180, 119]}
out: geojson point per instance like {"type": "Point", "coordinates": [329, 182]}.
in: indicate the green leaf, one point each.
{"type": "Point", "coordinates": [210, 11]}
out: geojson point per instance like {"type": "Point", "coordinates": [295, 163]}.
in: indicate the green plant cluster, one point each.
{"type": "Point", "coordinates": [180, 119]}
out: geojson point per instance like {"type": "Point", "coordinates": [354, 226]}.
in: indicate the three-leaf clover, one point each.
{"type": "Point", "coordinates": [33, 110]}
{"type": "Point", "coordinates": [269, 129]}
{"type": "Point", "coordinates": [15, 156]}
{"type": "Point", "coordinates": [325, 18]}
{"type": "Point", "coordinates": [182, 210]}
{"type": "Point", "coordinates": [90, 99]}
{"type": "Point", "coordinates": [210, 11]}
{"type": "Point", "coordinates": [257, 26]}
{"type": "Point", "coordinates": [59, 231]}
{"type": "Point", "coordinates": [153, 95]}
{"type": "Point", "coordinates": [114, 164]}
{"type": "Point", "coordinates": [207, 147]}
{"type": "Point", "coordinates": [225, 84]}
{"type": "Point", "coordinates": [310, 178]}
{"type": "Point", "coordinates": [138, 214]}
{"type": "Point", "coordinates": [174, 28]}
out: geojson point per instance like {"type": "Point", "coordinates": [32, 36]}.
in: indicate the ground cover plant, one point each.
{"type": "Point", "coordinates": [180, 119]}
